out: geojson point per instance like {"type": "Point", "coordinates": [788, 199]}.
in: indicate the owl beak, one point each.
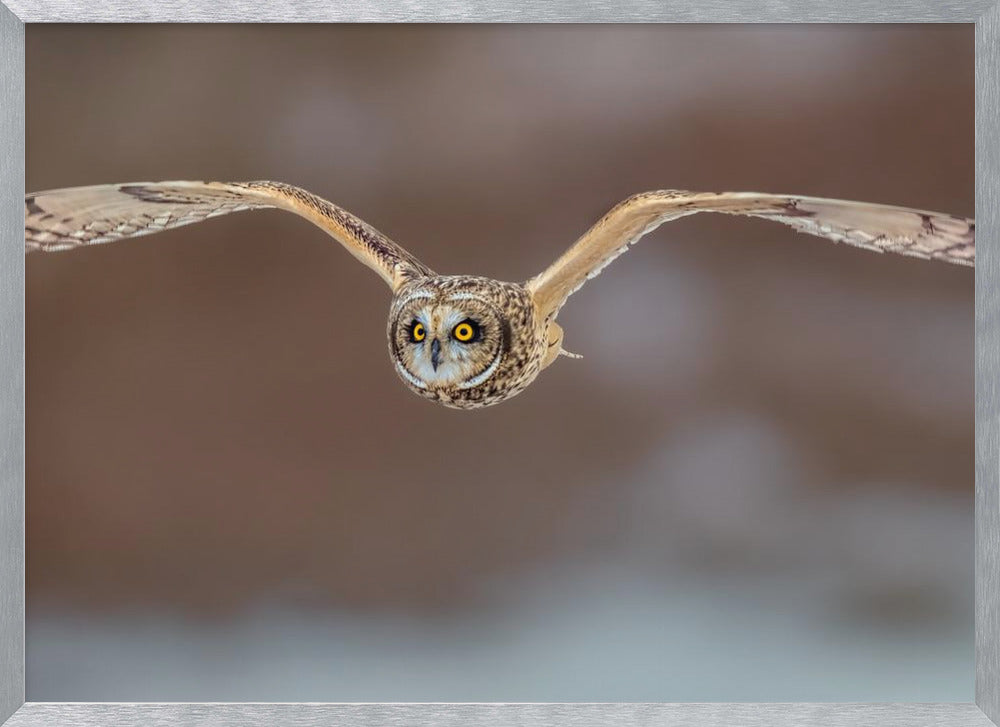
{"type": "Point", "coordinates": [435, 353]}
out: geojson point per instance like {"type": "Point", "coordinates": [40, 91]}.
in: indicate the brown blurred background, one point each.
{"type": "Point", "coordinates": [755, 485]}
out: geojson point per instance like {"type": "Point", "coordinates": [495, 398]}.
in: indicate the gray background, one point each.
{"type": "Point", "coordinates": [756, 485]}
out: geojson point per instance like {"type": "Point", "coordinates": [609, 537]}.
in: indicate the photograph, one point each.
{"type": "Point", "coordinates": [398, 363]}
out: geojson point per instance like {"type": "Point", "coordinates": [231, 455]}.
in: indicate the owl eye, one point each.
{"type": "Point", "coordinates": [466, 331]}
{"type": "Point", "coordinates": [417, 332]}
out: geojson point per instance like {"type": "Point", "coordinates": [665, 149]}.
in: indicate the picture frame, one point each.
{"type": "Point", "coordinates": [14, 711]}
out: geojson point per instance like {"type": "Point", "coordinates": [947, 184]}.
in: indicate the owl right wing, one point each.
{"type": "Point", "coordinates": [63, 219]}
{"type": "Point", "coordinates": [878, 227]}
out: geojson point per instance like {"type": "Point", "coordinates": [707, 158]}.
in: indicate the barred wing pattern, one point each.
{"type": "Point", "coordinates": [63, 219]}
{"type": "Point", "coordinates": [882, 228]}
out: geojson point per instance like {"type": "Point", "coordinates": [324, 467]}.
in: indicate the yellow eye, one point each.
{"type": "Point", "coordinates": [417, 332]}
{"type": "Point", "coordinates": [465, 331]}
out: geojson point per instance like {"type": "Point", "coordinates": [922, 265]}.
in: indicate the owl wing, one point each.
{"type": "Point", "coordinates": [873, 226]}
{"type": "Point", "coordinates": [62, 219]}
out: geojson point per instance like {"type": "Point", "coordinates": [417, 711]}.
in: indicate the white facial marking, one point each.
{"type": "Point", "coordinates": [465, 296]}
{"type": "Point", "coordinates": [488, 372]}
{"type": "Point", "coordinates": [409, 377]}
{"type": "Point", "coordinates": [415, 296]}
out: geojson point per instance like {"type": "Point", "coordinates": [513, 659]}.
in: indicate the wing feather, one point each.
{"type": "Point", "coordinates": [881, 228]}
{"type": "Point", "coordinates": [64, 219]}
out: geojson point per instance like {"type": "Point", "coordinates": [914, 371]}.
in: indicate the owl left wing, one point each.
{"type": "Point", "coordinates": [63, 219]}
{"type": "Point", "coordinates": [882, 228]}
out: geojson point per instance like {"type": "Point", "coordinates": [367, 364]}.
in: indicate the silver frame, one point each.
{"type": "Point", "coordinates": [14, 712]}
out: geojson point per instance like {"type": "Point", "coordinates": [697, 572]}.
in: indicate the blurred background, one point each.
{"type": "Point", "coordinates": [756, 485]}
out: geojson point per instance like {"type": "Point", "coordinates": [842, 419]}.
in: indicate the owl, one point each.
{"type": "Point", "coordinates": [462, 340]}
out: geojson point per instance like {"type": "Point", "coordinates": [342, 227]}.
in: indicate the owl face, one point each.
{"type": "Point", "coordinates": [451, 337]}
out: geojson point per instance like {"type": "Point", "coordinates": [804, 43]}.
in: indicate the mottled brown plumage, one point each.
{"type": "Point", "coordinates": [468, 341]}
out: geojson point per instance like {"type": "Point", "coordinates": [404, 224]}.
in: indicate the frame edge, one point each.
{"type": "Point", "coordinates": [988, 364]}
{"type": "Point", "coordinates": [11, 364]}
{"type": "Point", "coordinates": [39, 714]}
{"type": "Point", "coordinates": [505, 11]}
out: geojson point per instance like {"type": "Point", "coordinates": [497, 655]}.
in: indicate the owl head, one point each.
{"type": "Point", "coordinates": [464, 341]}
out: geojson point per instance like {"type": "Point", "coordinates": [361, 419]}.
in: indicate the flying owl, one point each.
{"type": "Point", "coordinates": [462, 340]}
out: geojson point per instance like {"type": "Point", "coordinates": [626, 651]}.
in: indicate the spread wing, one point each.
{"type": "Point", "coordinates": [872, 226]}
{"type": "Point", "coordinates": [62, 219]}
